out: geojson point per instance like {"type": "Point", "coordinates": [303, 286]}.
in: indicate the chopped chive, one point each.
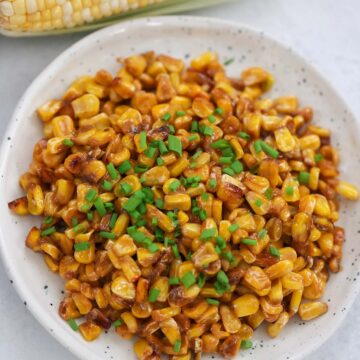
{"type": "Point", "coordinates": [180, 113]}
{"type": "Point", "coordinates": [126, 188]}
{"type": "Point", "coordinates": [212, 301]}
{"type": "Point", "coordinates": [249, 241]}
{"type": "Point", "coordinates": [220, 144]}
{"type": "Point", "coordinates": [73, 324]}
{"type": "Point", "coordinates": [174, 185]}
{"type": "Point", "coordinates": [246, 344]}
{"type": "Point", "coordinates": [107, 235]}
{"type": "Point", "coordinates": [202, 215]}
{"type": "Point", "coordinates": [131, 230]}
{"type": "Point", "coordinates": [212, 183]}
{"type": "Point", "coordinates": [222, 278]}
{"type": "Point", "coordinates": [113, 219]}
{"type": "Point", "coordinates": [258, 202]}
{"type": "Point", "coordinates": [212, 119]}
{"type": "Point", "coordinates": [197, 154]}
{"type": "Point", "coordinates": [48, 220]}
{"type": "Point", "coordinates": [237, 166]}
{"type": "Point", "coordinates": [192, 137]}
{"type": "Point", "coordinates": [82, 246]}
{"type": "Point", "coordinates": [112, 171]}
{"type": "Point", "coordinates": [304, 177]}
{"type": "Point", "coordinates": [124, 167]}
{"type": "Point", "coordinates": [154, 221]}
{"type": "Point", "coordinates": [262, 233]}
{"type": "Point", "coordinates": [106, 185]}
{"type": "Point", "coordinates": [172, 129]}
{"type": "Point", "coordinates": [221, 242]}
{"type": "Point", "coordinates": [153, 248]}
{"type": "Point", "coordinates": [257, 146]}
{"type": "Point", "coordinates": [194, 126]}
{"type": "Point", "coordinates": [233, 227]}
{"type": "Point", "coordinates": [175, 144]}
{"type": "Point", "coordinates": [229, 256]}
{"type": "Point", "coordinates": [162, 148]}
{"type": "Point", "coordinates": [208, 131]}
{"type": "Point", "coordinates": [229, 61]}
{"type": "Point", "coordinates": [117, 323]}
{"type": "Point", "coordinates": [269, 150]}
{"type": "Point", "coordinates": [289, 190]}
{"type": "Point", "coordinates": [201, 280]}
{"type": "Point", "coordinates": [166, 117]}
{"type": "Point", "coordinates": [228, 171]}
{"type": "Point", "coordinates": [150, 152]}
{"type": "Point", "coordinates": [160, 161]}
{"type": "Point", "coordinates": [225, 160]}
{"type": "Point", "coordinates": [318, 157]}
{"type": "Point", "coordinates": [207, 234]}
{"type": "Point", "coordinates": [48, 231]}
{"type": "Point", "coordinates": [274, 251]}
{"type": "Point", "coordinates": [204, 196]}
{"type": "Point", "coordinates": [177, 346]}
{"type": "Point", "coordinates": [90, 216]}
{"type": "Point", "coordinates": [159, 203]}
{"type": "Point", "coordinates": [219, 111]}
{"type": "Point", "coordinates": [188, 279]}
{"type": "Point", "coordinates": [68, 142]}
{"type": "Point", "coordinates": [244, 135]}
{"type": "Point", "coordinates": [143, 140]}
{"type": "Point", "coordinates": [90, 195]}
{"type": "Point", "coordinates": [78, 228]}
{"type": "Point", "coordinates": [100, 207]}
{"type": "Point", "coordinates": [140, 168]}
{"type": "Point", "coordinates": [153, 294]}
{"type": "Point", "coordinates": [174, 281]}
{"type": "Point", "coordinates": [132, 203]}
{"type": "Point", "coordinates": [109, 206]}
{"type": "Point", "coordinates": [74, 221]}
{"type": "Point", "coordinates": [138, 236]}
{"type": "Point", "coordinates": [175, 250]}
{"type": "Point", "coordinates": [268, 193]}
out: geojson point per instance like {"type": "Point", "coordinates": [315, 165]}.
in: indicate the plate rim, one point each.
{"type": "Point", "coordinates": [196, 21]}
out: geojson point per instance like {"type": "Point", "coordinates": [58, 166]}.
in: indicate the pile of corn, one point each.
{"type": "Point", "coordinates": [182, 207]}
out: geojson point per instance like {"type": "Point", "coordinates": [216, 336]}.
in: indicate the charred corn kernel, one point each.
{"type": "Point", "coordinates": [284, 140]}
{"type": "Point", "coordinates": [288, 253]}
{"type": "Point", "coordinates": [347, 190]}
{"type": "Point", "coordinates": [51, 263]}
{"type": "Point", "coordinates": [276, 292]}
{"type": "Point", "coordinates": [33, 239]}
{"type": "Point", "coordinates": [156, 176]}
{"type": "Point", "coordinates": [177, 201]}
{"type": "Point", "coordinates": [322, 207]}
{"type": "Point", "coordinates": [47, 111]}
{"type": "Point", "coordinates": [292, 281]}
{"type": "Point", "coordinates": [286, 104]}
{"type": "Point", "coordinates": [204, 255]}
{"type": "Point", "coordinates": [326, 243]}
{"type": "Point", "coordinates": [161, 284]}
{"type": "Point", "coordinates": [191, 230]}
{"type": "Point", "coordinates": [309, 142]}
{"type": "Point", "coordinates": [259, 203]}
{"type": "Point", "coordinates": [239, 152]}
{"type": "Point", "coordinates": [257, 280]}
{"type": "Point", "coordinates": [82, 303]}
{"type": "Point", "coordinates": [254, 76]}
{"type": "Point", "coordinates": [183, 218]}
{"type": "Point", "coordinates": [165, 313]}
{"type": "Point", "coordinates": [142, 349]}
{"type": "Point", "coordinates": [311, 310]}
{"type": "Point", "coordinates": [62, 125]}
{"type": "Point", "coordinates": [51, 250]}
{"type": "Point", "coordinates": [35, 199]}
{"type": "Point", "coordinates": [89, 330]}
{"type": "Point", "coordinates": [130, 321]}
{"type": "Point", "coordinates": [19, 206]}
{"type": "Point", "coordinates": [245, 305]}
{"type": "Point", "coordinates": [164, 222]}
{"type": "Point", "coordinates": [203, 60]}
{"type": "Point", "coordinates": [230, 322]}
{"type": "Point", "coordinates": [279, 269]}
{"type": "Point", "coordinates": [64, 190]}
{"type": "Point", "coordinates": [121, 224]}
{"type": "Point", "coordinates": [275, 328]}
{"type": "Point", "coordinates": [255, 320]}
{"type": "Point", "coordinates": [295, 301]}
{"type": "Point", "coordinates": [86, 106]}
{"type": "Point", "coordinates": [209, 343]}
{"type": "Point", "coordinates": [123, 288]}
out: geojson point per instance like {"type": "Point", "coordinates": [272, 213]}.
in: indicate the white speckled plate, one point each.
{"type": "Point", "coordinates": [182, 37]}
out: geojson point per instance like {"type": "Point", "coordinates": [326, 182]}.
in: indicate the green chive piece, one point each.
{"type": "Point", "coordinates": [197, 154]}
{"type": "Point", "coordinates": [133, 202]}
{"type": "Point", "coordinates": [74, 221]}
{"type": "Point", "coordinates": [244, 135]}
{"type": "Point", "coordinates": [90, 195]}
{"type": "Point", "coordinates": [124, 167]}
{"type": "Point", "coordinates": [289, 190]}
{"type": "Point", "coordinates": [90, 216]}
{"type": "Point", "coordinates": [172, 129]}
{"type": "Point", "coordinates": [237, 166]}
{"type": "Point", "coordinates": [202, 215]}
{"type": "Point", "coordinates": [212, 183]}
{"type": "Point", "coordinates": [274, 251]}
{"type": "Point", "coordinates": [143, 140]}
{"type": "Point", "coordinates": [257, 146]}
{"type": "Point", "coordinates": [150, 152]}
{"type": "Point", "coordinates": [68, 142]}
{"type": "Point", "coordinates": [174, 185]}
{"type": "Point", "coordinates": [228, 171]}
{"type": "Point", "coordinates": [201, 280]}
{"type": "Point", "coordinates": [213, 302]}
{"type": "Point", "coordinates": [269, 150]}
{"type": "Point", "coordinates": [117, 323]}
{"type": "Point", "coordinates": [220, 144]}
{"type": "Point", "coordinates": [219, 111]}
{"type": "Point", "coordinates": [304, 177]}
{"type": "Point", "coordinates": [73, 324]}
{"type": "Point", "coordinates": [180, 113]}
{"type": "Point", "coordinates": [107, 235]}
{"type": "Point", "coordinates": [100, 207]}
{"type": "Point", "coordinates": [318, 157]}
{"type": "Point", "coordinates": [208, 131]}
{"type": "Point", "coordinates": [106, 185]}
{"type": "Point", "coordinates": [166, 117]}
{"type": "Point", "coordinates": [48, 231]}
{"type": "Point", "coordinates": [85, 207]}
{"type": "Point", "coordinates": [194, 126]}
{"type": "Point", "coordinates": [222, 278]}
{"type": "Point", "coordinates": [113, 219]}
{"type": "Point", "coordinates": [175, 250]}
{"type": "Point", "coordinates": [82, 246]}
{"type": "Point", "coordinates": [233, 227]}
{"type": "Point", "coordinates": [159, 203]}
{"type": "Point", "coordinates": [248, 241]}
{"type": "Point", "coordinates": [188, 279]}
{"type": "Point", "coordinates": [140, 168]}
{"type": "Point", "coordinates": [174, 281]}
{"type": "Point", "coordinates": [153, 294]}
{"type": "Point", "coordinates": [258, 202]}
{"type": "Point", "coordinates": [112, 171]}
{"type": "Point", "coordinates": [229, 256]}
{"type": "Point", "coordinates": [153, 248]}
{"type": "Point", "coordinates": [229, 61]}
{"type": "Point", "coordinates": [160, 161]}
{"type": "Point", "coordinates": [225, 160]}
{"type": "Point", "coordinates": [192, 137]}
{"type": "Point", "coordinates": [126, 188]}
{"type": "Point", "coordinates": [205, 196]}
{"type": "Point", "coordinates": [162, 148]}
{"type": "Point", "coordinates": [177, 346]}
{"type": "Point", "coordinates": [78, 228]}
{"type": "Point", "coordinates": [154, 221]}
{"type": "Point", "coordinates": [262, 233]}
{"type": "Point", "coordinates": [246, 344]}
{"type": "Point", "coordinates": [48, 220]}
{"type": "Point", "coordinates": [207, 234]}
{"type": "Point", "coordinates": [109, 206]}
{"type": "Point", "coordinates": [212, 119]}
{"type": "Point", "coordinates": [268, 193]}
{"type": "Point", "coordinates": [221, 242]}
{"type": "Point", "coordinates": [175, 144]}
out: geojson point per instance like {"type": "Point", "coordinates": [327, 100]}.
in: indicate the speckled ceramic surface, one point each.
{"type": "Point", "coordinates": [183, 37]}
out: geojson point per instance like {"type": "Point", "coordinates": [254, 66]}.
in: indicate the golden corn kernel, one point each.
{"type": "Point", "coordinates": [311, 310]}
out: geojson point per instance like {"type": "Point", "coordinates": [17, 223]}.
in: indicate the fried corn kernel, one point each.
{"type": "Point", "coordinates": [184, 206]}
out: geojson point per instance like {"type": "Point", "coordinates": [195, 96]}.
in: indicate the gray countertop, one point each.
{"type": "Point", "coordinates": [327, 32]}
